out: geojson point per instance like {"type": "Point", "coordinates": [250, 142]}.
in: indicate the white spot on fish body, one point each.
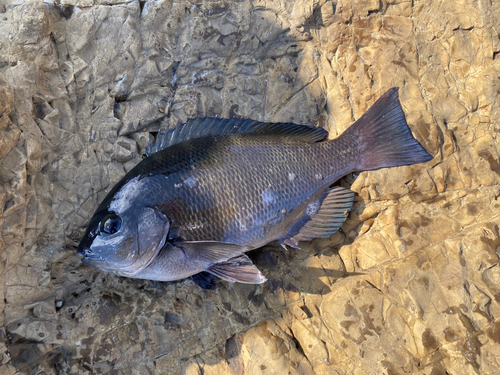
{"type": "Point", "coordinates": [178, 185]}
{"type": "Point", "coordinates": [283, 211]}
{"type": "Point", "coordinates": [191, 182]}
{"type": "Point", "coordinates": [194, 226]}
{"type": "Point", "coordinates": [269, 197]}
{"type": "Point", "coordinates": [241, 225]}
{"type": "Point", "coordinates": [291, 176]}
{"type": "Point", "coordinates": [113, 240]}
{"type": "Point", "coordinates": [318, 176]}
{"type": "Point", "coordinates": [312, 208]}
{"type": "Point", "coordinates": [127, 194]}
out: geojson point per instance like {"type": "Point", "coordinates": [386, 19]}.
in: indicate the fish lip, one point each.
{"type": "Point", "coordinates": [93, 262]}
{"type": "Point", "coordinates": [90, 259]}
{"type": "Point", "coordinates": [81, 250]}
{"type": "Point", "coordinates": [101, 264]}
{"type": "Point", "coordinates": [84, 250]}
{"type": "Point", "coordinates": [89, 256]}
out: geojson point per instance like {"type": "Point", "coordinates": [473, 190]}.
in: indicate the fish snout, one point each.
{"type": "Point", "coordinates": [90, 258]}
{"type": "Point", "coordinates": [85, 251]}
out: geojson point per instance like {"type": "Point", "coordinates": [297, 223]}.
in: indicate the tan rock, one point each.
{"type": "Point", "coordinates": [410, 285]}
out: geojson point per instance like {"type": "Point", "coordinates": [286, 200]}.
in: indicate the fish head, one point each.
{"type": "Point", "coordinates": [124, 242]}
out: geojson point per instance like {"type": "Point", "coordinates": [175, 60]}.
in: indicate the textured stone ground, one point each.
{"type": "Point", "coordinates": [410, 286]}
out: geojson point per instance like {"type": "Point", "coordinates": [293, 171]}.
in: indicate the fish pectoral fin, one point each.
{"type": "Point", "coordinates": [330, 217]}
{"type": "Point", "coordinates": [210, 251]}
{"type": "Point", "coordinates": [205, 280]}
{"type": "Point", "coordinates": [238, 269]}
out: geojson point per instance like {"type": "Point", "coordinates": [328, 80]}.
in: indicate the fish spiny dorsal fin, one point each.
{"type": "Point", "coordinates": [212, 126]}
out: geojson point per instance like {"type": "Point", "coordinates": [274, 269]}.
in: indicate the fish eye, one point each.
{"type": "Point", "coordinates": [111, 224]}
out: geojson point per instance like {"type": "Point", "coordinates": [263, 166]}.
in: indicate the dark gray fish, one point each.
{"type": "Point", "coordinates": [212, 189]}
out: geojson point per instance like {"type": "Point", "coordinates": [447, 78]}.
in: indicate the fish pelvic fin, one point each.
{"type": "Point", "coordinates": [238, 269]}
{"type": "Point", "coordinates": [383, 137]}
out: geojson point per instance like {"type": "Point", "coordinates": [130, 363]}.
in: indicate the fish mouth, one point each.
{"type": "Point", "coordinates": [94, 262]}
{"type": "Point", "coordinates": [138, 263]}
{"type": "Point", "coordinates": [89, 258]}
{"type": "Point", "coordinates": [85, 251]}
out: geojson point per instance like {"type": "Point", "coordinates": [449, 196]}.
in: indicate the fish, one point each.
{"type": "Point", "coordinates": [212, 189]}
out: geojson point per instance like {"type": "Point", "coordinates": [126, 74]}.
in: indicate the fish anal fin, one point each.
{"type": "Point", "coordinates": [238, 269]}
{"type": "Point", "coordinates": [334, 210]}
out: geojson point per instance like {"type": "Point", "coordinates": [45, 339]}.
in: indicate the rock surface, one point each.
{"type": "Point", "coordinates": [410, 286]}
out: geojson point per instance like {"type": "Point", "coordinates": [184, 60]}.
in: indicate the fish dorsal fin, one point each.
{"type": "Point", "coordinates": [327, 220]}
{"type": "Point", "coordinates": [213, 126]}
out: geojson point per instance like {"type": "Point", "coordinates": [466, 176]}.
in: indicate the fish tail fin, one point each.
{"type": "Point", "coordinates": [383, 137]}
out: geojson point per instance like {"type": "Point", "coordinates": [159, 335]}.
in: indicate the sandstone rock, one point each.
{"type": "Point", "coordinates": [410, 284]}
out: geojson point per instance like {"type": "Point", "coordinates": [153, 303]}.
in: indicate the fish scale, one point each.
{"type": "Point", "coordinates": [234, 200]}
